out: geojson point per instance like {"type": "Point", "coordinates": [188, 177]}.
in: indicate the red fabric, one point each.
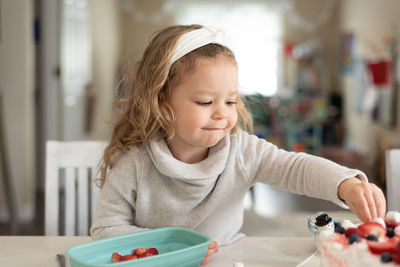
{"type": "Point", "coordinates": [381, 72]}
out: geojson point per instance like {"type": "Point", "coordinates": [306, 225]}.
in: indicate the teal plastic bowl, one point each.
{"type": "Point", "coordinates": [176, 246]}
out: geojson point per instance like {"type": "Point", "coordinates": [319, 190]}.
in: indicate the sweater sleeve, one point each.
{"type": "Point", "coordinates": [115, 209]}
{"type": "Point", "coordinates": [298, 173]}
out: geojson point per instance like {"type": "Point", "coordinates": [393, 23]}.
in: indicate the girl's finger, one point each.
{"type": "Point", "coordinates": [380, 202]}
{"type": "Point", "coordinates": [206, 259]}
{"type": "Point", "coordinates": [212, 244]}
{"type": "Point", "coordinates": [370, 201]}
{"type": "Point", "coordinates": [362, 209]}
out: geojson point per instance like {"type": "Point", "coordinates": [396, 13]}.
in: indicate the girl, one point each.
{"type": "Point", "coordinates": [179, 155]}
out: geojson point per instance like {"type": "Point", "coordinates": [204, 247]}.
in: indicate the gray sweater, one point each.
{"type": "Point", "coordinates": [149, 188]}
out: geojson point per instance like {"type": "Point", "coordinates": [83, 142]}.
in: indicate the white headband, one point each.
{"type": "Point", "coordinates": [198, 38]}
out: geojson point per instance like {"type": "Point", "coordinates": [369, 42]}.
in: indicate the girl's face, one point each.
{"type": "Point", "coordinates": [204, 104]}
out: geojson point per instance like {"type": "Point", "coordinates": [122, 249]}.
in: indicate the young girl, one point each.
{"type": "Point", "coordinates": [179, 155]}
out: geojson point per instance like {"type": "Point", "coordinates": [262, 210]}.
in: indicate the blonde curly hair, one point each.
{"type": "Point", "coordinates": [143, 111]}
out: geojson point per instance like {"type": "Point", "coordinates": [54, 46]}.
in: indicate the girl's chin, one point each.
{"type": "Point", "coordinates": [213, 141]}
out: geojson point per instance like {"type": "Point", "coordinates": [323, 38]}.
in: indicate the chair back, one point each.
{"type": "Point", "coordinates": [392, 159]}
{"type": "Point", "coordinates": [70, 190]}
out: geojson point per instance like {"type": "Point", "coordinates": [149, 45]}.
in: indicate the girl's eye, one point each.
{"type": "Point", "coordinates": [204, 103]}
{"type": "Point", "coordinates": [231, 103]}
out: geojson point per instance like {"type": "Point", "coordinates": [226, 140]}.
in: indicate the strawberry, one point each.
{"type": "Point", "coordinates": [388, 245]}
{"type": "Point", "coordinates": [139, 251]}
{"type": "Point", "coordinates": [128, 257]}
{"type": "Point", "coordinates": [372, 228]}
{"type": "Point", "coordinates": [396, 257]}
{"type": "Point", "coordinates": [148, 252]}
{"type": "Point", "coordinates": [152, 251]}
{"type": "Point", "coordinates": [351, 231]}
{"type": "Point", "coordinates": [115, 257]}
{"type": "Point", "coordinates": [391, 223]}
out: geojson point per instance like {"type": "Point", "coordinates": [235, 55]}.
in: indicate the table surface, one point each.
{"type": "Point", "coordinates": [252, 251]}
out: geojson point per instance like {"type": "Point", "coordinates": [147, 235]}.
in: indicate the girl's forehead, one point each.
{"type": "Point", "coordinates": [186, 67]}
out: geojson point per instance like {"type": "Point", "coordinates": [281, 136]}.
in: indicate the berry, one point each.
{"type": "Point", "coordinates": [115, 257]}
{"type": "Point", "coordinates": [139, 251]}
{"type": "Point", "coordinates": [149, 252]}
{"type": "Point", "coordinates": [388, 245]}
{"type": "Point", "coordinates": [396, 258]}
{"type": "Point", "coordinates": [372, 228]}
{"type": "Point", "coordinates": [152, 251]}
{"type": "Point", "coordinates": [145, 252]}
{"type": "Point", "coordinates": [386, 257]}
{"type": "Point", "coordinates": [351, 231]}
{"type": "Point", "coordinates": [337, 224]}
{"type": "Point", "coordinates": [339, 228]}
{"type": "Point", "coordinates": [372, 238]}
{"type": "Point", "coordinates": [354, 238]}
{"type": "Point", "coordinates": [389, 232]}
{"type": "Point", "coordinates": [391, 223]}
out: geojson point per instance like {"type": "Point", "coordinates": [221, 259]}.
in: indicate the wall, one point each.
{"type": "Point", "coordinates": [16, 85]}
{"type": "Point", "coordinates": [105, 62]}
{"type": "Point", "coordinates": [135, 32]}
{"type": "Point", "coordinates": [327, 33]}
{"type": "Point", "coordinates": [372, 20]}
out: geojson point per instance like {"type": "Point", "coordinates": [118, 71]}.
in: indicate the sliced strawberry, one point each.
{"type": "Point", "coordinates": [396, 258]}
{"type": "Point", "coordinates": [115, 257]}
{"type": "Point", "coordinates": [372, 228]}
{"type": "Point", "coordinates": [391, 223]}
{"type": "Point", "coordinates": [388, 245]}
{"type": "Point", "coordinates": [139, 251]}
{"type": "Point", "coordinates": [351, 231]}
{"type": "Point", "coordinates": [128, 257]}
{"type": "Point", "coordinates": [152, 251]}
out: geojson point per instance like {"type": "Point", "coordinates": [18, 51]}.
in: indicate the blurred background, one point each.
{"type": "Point", "coordinates": [320, 76]}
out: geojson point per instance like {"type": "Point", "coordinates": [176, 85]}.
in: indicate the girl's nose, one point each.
{"type": "Point", "coordinates": [219, 112]}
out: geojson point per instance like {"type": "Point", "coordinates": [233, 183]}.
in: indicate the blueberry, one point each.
{"type": "Point", "coordinates": [372, 237]}
{"type": "Point", "coordinates": [389, 232]}
{"type": "Point", "coordinates": [339, 229]}
{"type": "Point", "coordinates": [354, 238]}
{"type": "Point", "coordinates": [386, 257]}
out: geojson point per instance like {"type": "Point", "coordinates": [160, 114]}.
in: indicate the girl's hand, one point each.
{"type": "Point", "coordinates": [366, 200]}
{"type": "Point", "coordinates": [212, 249]}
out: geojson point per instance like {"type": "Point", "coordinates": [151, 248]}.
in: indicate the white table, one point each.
{"type": "Point", "coordinates": [252, 251]}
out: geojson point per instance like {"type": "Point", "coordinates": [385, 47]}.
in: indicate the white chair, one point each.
{"type": "Point", "coordinates": [70, 190]}
{"type": "Point", "coordinates": [392, 159]}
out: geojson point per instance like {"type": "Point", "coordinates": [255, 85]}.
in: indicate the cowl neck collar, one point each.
{"type": "Point", "coordinates": [208, 168]}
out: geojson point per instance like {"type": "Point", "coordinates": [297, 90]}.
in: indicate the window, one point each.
{"type": "Point", "coordinates": [255, 31]}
